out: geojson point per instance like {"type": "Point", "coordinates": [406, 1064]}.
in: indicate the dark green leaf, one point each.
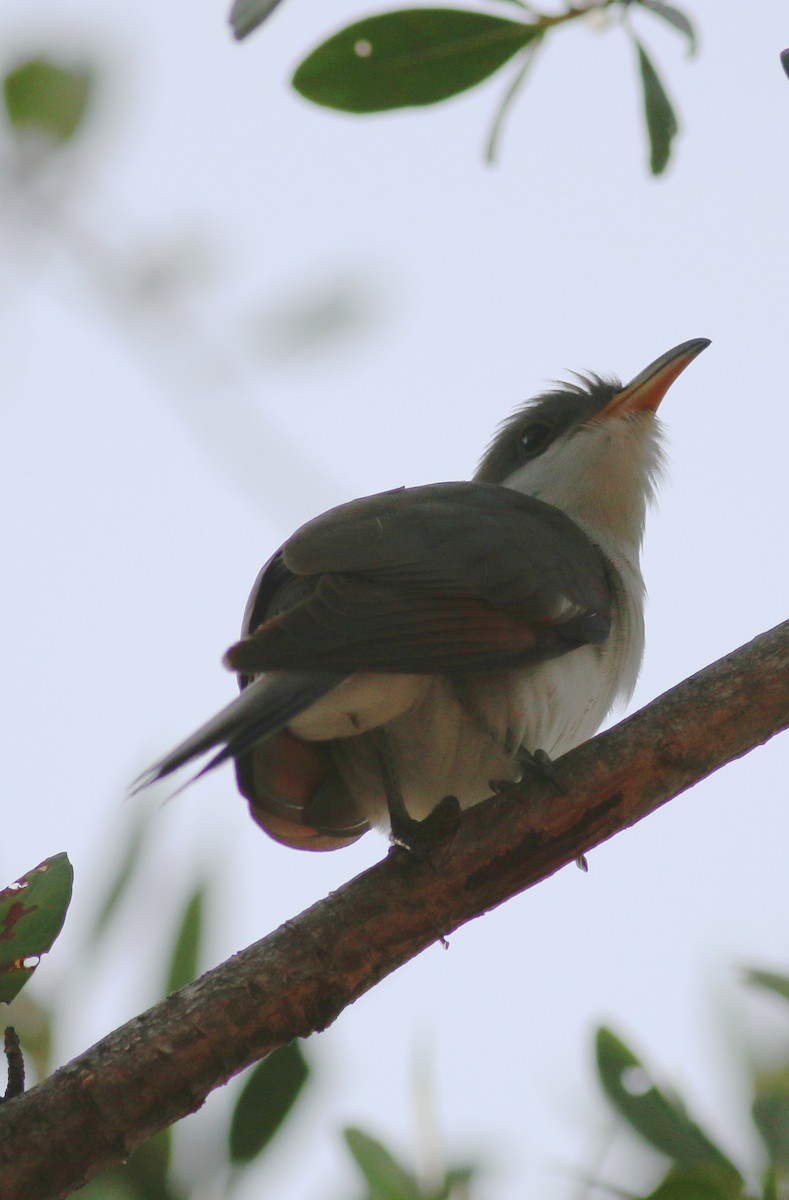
{"type": "Point", "coordinates": [40, 95]}
{"type": "Point", "coordinates": [32, 912]}
{"type": "Point", "coordinates": [771, 1117]}
{"type": "Point", "coordinates": [674, 17]}
{"type": "Point", "coordinates": [695, 1185]}
{"type": "Point", "coordinates": [770, 980]}
{"type": "Point", "coordinates": [186, 950]}
{"type": "Point", "coordinates": [386, 1178]}
{"type": "Point", "coordinates": [785, 61]}
{"type": "Point", "coordinates": [662, 125]}
{"type": "Point", "coordinates": [415, 56]}
{"type": "Point", "coordinates": [246, 15]}
{"type": "Point", "coordinates": [268, 1095]}
{"type": "Point", "coordinates": [659, 1120]}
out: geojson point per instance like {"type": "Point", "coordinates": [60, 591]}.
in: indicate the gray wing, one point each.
{"type": "Point", "coordinates": [449, 578]}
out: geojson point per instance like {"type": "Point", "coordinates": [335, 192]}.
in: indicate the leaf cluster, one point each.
{"type": "Point", "coordinates": [699, 1168]}
{"type": "Point", "coordinates": [422, 56]}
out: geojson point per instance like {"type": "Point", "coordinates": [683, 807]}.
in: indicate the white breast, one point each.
{"type": "Point", "coordinates": [460, 735]}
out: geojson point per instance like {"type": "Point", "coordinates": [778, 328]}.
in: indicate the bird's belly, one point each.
{"type": "Point", "coordinates": [361, 702]}
{"type": "Point", "coordinates": [441, 745]}
{"type": "Point", "coordinates": [460, 736]}
{"type": "Point", "coordinates": [558, 704]}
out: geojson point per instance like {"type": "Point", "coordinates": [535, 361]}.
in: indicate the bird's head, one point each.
{"type": "Point", "coordinates": [592, 449]}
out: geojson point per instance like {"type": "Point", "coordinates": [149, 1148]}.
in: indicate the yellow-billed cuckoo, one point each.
{"type": "Point", "coordinates": [426, 641]}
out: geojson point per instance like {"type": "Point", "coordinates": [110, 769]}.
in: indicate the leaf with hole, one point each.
{"type": "Point", "coordinates": [270, 1090]}
{"type": "Point", "coordinates": [32, 912]}
{"type": "Point", "coordinates": [661, 1121]}
{"type": "Point", "coordinates": [412, 57]}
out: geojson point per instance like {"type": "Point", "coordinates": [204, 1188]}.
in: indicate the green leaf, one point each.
{"type": "Point", "coordinates": [411, 57]}
{"type": "Point", "coordinates": [785, 61]}
{"type": "Point", "coordinates": [146, 1175]}
{"type": "Point", "coordinates": [660, 1121]}
{"type": "Point", "coordinates": [246, 15]}
{"type": "Point", "coordinates": [269, 1093]}
{"type": "Point", "coordinates": [770, 1113]}
{"type": "Point", "coordinates": [695, 1185]}
{"type": "Point", "coordinates": [148, 1169]}
{"type": "Point", "coordinates": [674, 17]}
{"type": "Point", "coordinates": [771, 981]}
{"type": "Point", "coordinates": [456, 1182]}
{"type": "Point", "coordinates": [186, 950]}
{"type": "Point", "coordinates": [386, 1178]}
{"type": "Point", "coordinates": [662, 125]}
{"type": "Point", "coordinates": [32, 912]}
{"type": "Point", "coordinates": [40, 95]}
{"type": "Point", "coordinates": [526, 60]}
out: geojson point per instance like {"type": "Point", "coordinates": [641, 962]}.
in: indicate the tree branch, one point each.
{"type": "Point", "coordinates": [162, 1065]}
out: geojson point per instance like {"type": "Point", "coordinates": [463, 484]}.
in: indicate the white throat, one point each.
{"type": "Point", "coordinates": [603, 476]}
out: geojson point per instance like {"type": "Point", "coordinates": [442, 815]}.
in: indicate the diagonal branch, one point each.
{"type": "Point", "coordinates": [161, 1066]}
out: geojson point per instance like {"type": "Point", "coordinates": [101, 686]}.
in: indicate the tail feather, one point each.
{"type": "Point", "coordinates": [264, 707]}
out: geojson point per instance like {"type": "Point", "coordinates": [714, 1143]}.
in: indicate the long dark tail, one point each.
{"type": "Point", "coordinates": [264, 707]}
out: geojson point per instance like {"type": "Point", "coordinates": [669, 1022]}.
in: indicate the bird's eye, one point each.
{"type": "Point", "coordinates": [535, 438]}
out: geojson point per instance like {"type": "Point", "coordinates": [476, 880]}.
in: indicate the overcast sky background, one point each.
{"type": "Point", "coordinates": [165, 427]}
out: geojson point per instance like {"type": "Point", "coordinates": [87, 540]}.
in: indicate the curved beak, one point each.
{"type": "Point", "coordinates": [644, 393]}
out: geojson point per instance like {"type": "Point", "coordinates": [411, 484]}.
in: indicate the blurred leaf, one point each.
{"type": "Point", "coordinates": [386, 1178]}
{"type": "Point", "coordinates": [148, 1169]}
{"type": "Point", "coordinates": [144, 1176]}
{"type": "Point", "coordinates": [269, 1093]}
{"type": "Point", "coordinates": [785, 61]}
{"type": "Point", "coordinates": [660, 1121]}
{"type": "Point", "coordinates": [134, 843]}
{"type": "Point", "coordinates": [32, 912]}
{"type": "Point", "coordinates": [770, 1113]}
{"type": "Point", "coordinates": [185, 957]}
{"type": "Point", "coordinates": [662, 125]}
{"type": "Point", "coordinates": [40, 95]}
{"type": "Point", "coordinates": [411, 57]}
{"type": "Point", "coordinates": [771, 981]}
{"type": "Point", "coordinates": [769, 1185]}
{"type": "Point", "coordinates": [527, 58]}
{"type": "Point", "coordinates": [33, 1023]}
{"type": "Point", "coordinates": [246, 15]}
{"type": "Point", "coordinates": [674, 17]}
{"type": "Point", "coordinates": [456, 1177]}
{"type": "Point", "coordinates": [694, 1185]}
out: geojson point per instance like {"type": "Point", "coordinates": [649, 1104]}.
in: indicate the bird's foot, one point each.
{"type": "Point", "coordinates": [419, 837]}
{"type": "Point", "coordinates": [540, 764]}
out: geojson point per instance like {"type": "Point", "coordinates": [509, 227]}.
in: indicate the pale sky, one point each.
{"type": "Point", "coordinates": [155, 453]}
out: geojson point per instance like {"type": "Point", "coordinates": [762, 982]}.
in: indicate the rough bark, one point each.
{"type": "Point", "coordinates": [161, 1065]}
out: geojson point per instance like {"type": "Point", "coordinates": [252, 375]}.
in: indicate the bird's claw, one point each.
{"type": "Point", "coordinates": [540, 764]}
{"type": "Point", "coordinates": [419, 837]}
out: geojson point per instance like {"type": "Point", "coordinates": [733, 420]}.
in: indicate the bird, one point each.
{"type": "Point", "coordinates": [406, 653]}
